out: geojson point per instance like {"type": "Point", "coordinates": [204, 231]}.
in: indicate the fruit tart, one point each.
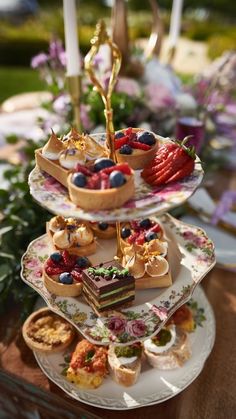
{"type": "Point", "coordinates": [103, 230]}
{"type": "Point", "coordinates": [125, 363]}
{"type": "Point", "coordinates": [88, 365]}
{"type": "Point", "coordinates": [145, 253]}
{"type": "Point", "coordinates": [72, 235]}
{"type": "Point", "coordinates": [173, 161]}
{"type": "Point", "coordinates": [102, 185]}
{"type": "Point", "coordinates": [62, 273]}
{"type": "Point", "coordinates": [59, 156]}
{"type": "Point", "coordinates": [45, 331]}
{"type": "Point", "coordinates": [135, 146]}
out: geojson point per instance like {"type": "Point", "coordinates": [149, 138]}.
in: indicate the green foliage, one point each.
{"type": "Point", "coordinates": [20, 217]}
{"type": "Point", "coordinates": [217, 44]}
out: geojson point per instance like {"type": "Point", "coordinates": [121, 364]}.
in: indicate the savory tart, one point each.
{"type": "Point", "coordinates": [103, 230]}
{"type": "Point", "coordinates": [135, 146]}
{"type": "Point", "coordinates": [62, 273]}
{"type": "Point", "coordinates": [102, 185]}
{"type": "Point", "coordinates": [125, 363]}
{"type": "Point", "coordinates": [108, 286]}
{"type": "Point", "coordinates": [145, 253]}
{"type": "Point", "coordinates": [72, 235]}
{"type": "Point", "coordinates": [59, 156]}
{"type": "Point", "coordinates": [88, 365]}
{"type": "Point", "coordinates": [169, 349]}
{"type": "Point", "coordinates": [45, 331]}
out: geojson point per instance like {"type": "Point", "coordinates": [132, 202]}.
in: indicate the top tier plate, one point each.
{"type": "Point", "coordinates": [148, 200]}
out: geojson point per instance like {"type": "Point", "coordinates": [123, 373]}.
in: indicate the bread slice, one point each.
{"type": "Point", "coordinates": [126, 375]}
{"type": "Point", "coordinates": [174, 357]}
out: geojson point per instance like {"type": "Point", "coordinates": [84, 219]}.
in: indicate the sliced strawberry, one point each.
{"type": "Point", "coordinates": [140, 239]}
{"type": "Point", "coordinates": [139, 146]}
{"type": "Point", "coordinates": [77, 276]}
{"type": "Point", "coordinates": [122, 167]}
{"type": "Point", "coordinates": [121, 141]}
{"type": "Point", "coordinates": [83, 169]}
{"type": "Point", "coordinates": [132, 238]}
{"type": "Point", "coordinates": [184, 171]}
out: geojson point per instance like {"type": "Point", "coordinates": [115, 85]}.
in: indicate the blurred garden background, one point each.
{"type": "Point", "coordinates": [208, 29]}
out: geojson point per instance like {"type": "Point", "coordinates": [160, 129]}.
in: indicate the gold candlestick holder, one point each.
{"type": "Point", "coordinates": [74, 88]}
{"type": "Point", "coordinates": [100, 38]}
{"type": "Point", "coordinates": [171, 54]}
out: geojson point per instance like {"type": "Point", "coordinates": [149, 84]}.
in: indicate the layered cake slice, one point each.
{"type": "Point", "coordinates": [108, 286]}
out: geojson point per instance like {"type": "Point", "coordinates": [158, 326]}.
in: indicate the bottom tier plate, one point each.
{"type": "Point", "coordinates": [154, 386]}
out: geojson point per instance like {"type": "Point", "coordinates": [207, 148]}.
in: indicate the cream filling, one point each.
{"type": "Point", "coordinates": [151, 347]}
{"type": "Point", "coordinates": [122, 360]}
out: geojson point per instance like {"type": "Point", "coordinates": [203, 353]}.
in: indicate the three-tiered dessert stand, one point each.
{"type": "Point", "coordinates": [191, 257]}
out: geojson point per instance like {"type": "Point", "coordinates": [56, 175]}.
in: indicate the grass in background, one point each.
{"type": "Point", "coordinates": [18, 80]}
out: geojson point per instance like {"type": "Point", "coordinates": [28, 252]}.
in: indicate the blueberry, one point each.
{"type": "Point", "coordinates": [126, 149]}
{"type": "Point", "coordinates": [125, 232]}
{"type": "Point", "coordinates": [56, 257]}
{"type": "Point", "coordinates": [147, 138]}
{"type": "Point", "coordinates": [103, 163]}
{"type": "Point", "coordinates": [151, 236]}
{"type": "Point", "coordinates": [116, 179]}
{"type": "Point", "coordinates": [79, 179]}
{"type": "Point", "coordinates": [102, 226]}
{"type": "Point", "coordinates": [82, 262]}
{"type": "Point", "coordinates": [146, 223]}
{"type": "Point", "coordinates": [65, 278]}
{"type": "Point", "coordinates": [119, 135]}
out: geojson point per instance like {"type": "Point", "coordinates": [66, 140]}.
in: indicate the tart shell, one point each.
{"type": "Point", "coordinates": [40, 346]}
{"type": "Point", "coordinates": [52, 167]}
{"type": "Point", "coordinates": [93, 199]}
{"type": "Point", "coordinates": [62, 290]}
{"type": "Point", "coordinates": [109, 233]}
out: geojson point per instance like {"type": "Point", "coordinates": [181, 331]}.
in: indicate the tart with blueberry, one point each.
{"type": "Point", "coordinates": [135, 146]}
{"type": "Point", "coordinates": [104, 230]}
{"type": "Point", "coordinates": [145, 253]}
{"type": "Point", "coordinates": [71, 234]}
{"type": "Point", "coordinates": [62, 273]}
{"type": "Point", "coordinates": [102, 185]}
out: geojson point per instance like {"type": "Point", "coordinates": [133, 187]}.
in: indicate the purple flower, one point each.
{"type": "Point", "coordinates": [136, 328]}
{"type": "Point", "coordinates": [84, 115]}
{"type": "Point", "coordinates": [62, 58]}
{"type": "Point", "coordinates": [33, 263]}
{"type": "Point", "coordinates": [128, 86]}
{"type": "Point", "coordinates": [39, 60]}
{"type": "Point", "coordinates": [158, 96]}
{"type": "Point", "coordinates": [55, 49]}
{"type": "Point", "coordinates": [116, 325]}
{"type": "Point", "coordinates": [160, 312]}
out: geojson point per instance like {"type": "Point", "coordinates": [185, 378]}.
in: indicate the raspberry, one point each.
{"type": "Point", "coordinates": [135, 225]}
{"type": "Point", "coordinates": [105, 183]}
{"type": "Point", "coordinates": [50, 263]}
{"type": "Point", "coordinates": [131, 239]}
{"type": "Point", "coordinates": [94, 181]}
{"type": "Point", "coordinates": [140, 239]}
{"type": "Point", "coordinates": [68, 260]}
{"type": "Point", "coordinates": [54, 271]}
{"type": "Point", "coordinates": [83, 169]}
{"type": "Point", "coordinates": [77, 276]}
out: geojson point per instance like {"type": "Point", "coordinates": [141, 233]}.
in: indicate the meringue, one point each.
{"type": "Point", "coordinates": [71, 157]}
{"type": "Point", "coordinates": [53, 148]}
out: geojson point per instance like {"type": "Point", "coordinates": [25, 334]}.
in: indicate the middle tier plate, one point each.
{"type": "Point", "coordinates": [191, 257]}
{"type": "Point", "coordinates": [51, 195]}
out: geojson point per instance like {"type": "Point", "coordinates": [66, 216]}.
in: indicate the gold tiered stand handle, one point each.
{"type": "Point", "coordinates": [100, 38]}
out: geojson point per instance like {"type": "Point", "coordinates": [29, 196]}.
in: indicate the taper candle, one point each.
{"type": "Point", "coordinates": [73, 64]}
{"type": "Point", "coordinates": [175, 22]}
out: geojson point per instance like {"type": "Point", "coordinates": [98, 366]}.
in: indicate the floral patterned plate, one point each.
{"type": "Point", "coordinates": [153, 386]}
{"type": "Point", "coordinates": [54, 197]}
{"type": "Point", "coordinates": [191, 256]}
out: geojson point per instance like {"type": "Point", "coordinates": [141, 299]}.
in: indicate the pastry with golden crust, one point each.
{"type": "Point", "coordinates": [103, 230]}
{"type": "Point", "coordinates": [71, 234]}
{"type": "Point", "coordinates": [125, 363]}
{"type": "Point", "coordinates": [59, 156]}
{"type": "Point", "coordinates": [88, 365]}
{"type": "Point", "coordinates": [103, 185]}
{"type": "Point", "coordinates": [136, 147]}
{"type": "Point", "coordinates": [45, 331]}
{"type": "Point", "coordinates": [62, 273]}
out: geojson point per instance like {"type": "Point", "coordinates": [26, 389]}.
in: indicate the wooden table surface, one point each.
{"type": "Point", "coordinates": [25, 392]}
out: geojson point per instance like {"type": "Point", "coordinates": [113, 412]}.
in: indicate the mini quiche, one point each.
{"type": "Point", "coordinates": [88, 365]}
{"type": "Point", "coordinates": [45, 331]}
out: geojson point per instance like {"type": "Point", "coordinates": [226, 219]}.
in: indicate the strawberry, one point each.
{"type": "Point", "coordinates": [77, 276]}
{"type": "Point", "coordinates": [184, 171]}
{"type": "Point", "coordinates": [122, 167]}
{"type": "Point", "coordinates": [140, 239]}
{"type": "Point", "coordinates": [121, 141]}
{"type": "Point", "coordinates": [131, 134]}
{"type": "Point", "coordinates": [139, 146]}
{"type": "Point", "coordinates": [133, 237]}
